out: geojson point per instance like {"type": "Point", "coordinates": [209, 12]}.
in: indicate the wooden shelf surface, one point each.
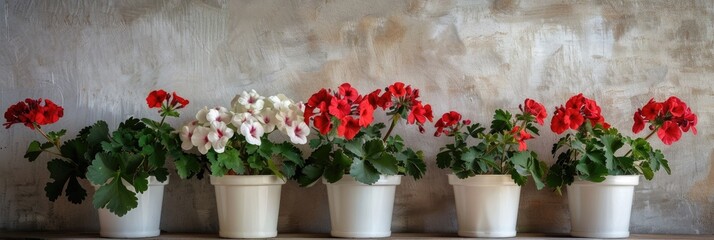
{"type": "Point", "coordinates": [193, 236]}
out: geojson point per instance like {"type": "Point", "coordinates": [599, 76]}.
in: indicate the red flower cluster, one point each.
{"type": "Point", "coordinates": [355, 111]}
{"type": "Point", "coordinates": [32, 113]}
{"type": "Point", "coordinates": [536, 109]}
{"type": "Point", "coordinates": [450, 121]}
{"type": "Point", "coordinates": [577, 109]}
{"type": "Point", "coordinates": [670, 118]}
{"type": "Point", "coordinates": [157, 98]}
{"type": "Point", "coordinates": [521, 135]}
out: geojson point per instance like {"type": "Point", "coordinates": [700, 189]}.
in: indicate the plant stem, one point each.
{"type": "Point", "coordinates": [395, 119]}
{"type": "Point", "coordinates": [646, 137]}
{"type": "Point", "coordinates": [54, 142]}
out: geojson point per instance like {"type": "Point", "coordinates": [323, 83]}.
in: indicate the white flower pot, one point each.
{"type": "Point", "coordinates": [247, 205]}
{"type": "Point", "coordinates": [142, 221]}
{"type": "Point", "coordinates": [358, 210]}
{"type": "Point", "coordinates": [486, 205]}
{"type": "Point", "coordinates": [602, 210]}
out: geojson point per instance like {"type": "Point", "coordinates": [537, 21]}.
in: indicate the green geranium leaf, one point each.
{"type": "Point", "coordinates": [141, 182]}
{"type": "Point", "coordinates": [336, 169]}
{"type": "Point", "coordinates": [115, 197]}
{"type": "Point", "coordinates": [385, 164]}
{"type": "Point", "coordinates": [75, 192]}
{"type": "Point", "coordinates": [60, 172]}
{"type": "Point", "coordinates": [501, 121]}
{"type": "Point", "coordinates": [521, 159]}
{"type": "Point", "coordinates": [231, 160]}
{"type": "Point", "coordinates": [364, 172]}
{"type": "Point", "coordinates": [99, 173]}
{"type": "Point", "coordinates": [98, 133]}
{"type": "Point", "coordinates": [355, 147]}
{"type": "Point", "coordinates": [161, 174]}
{"type": "Point", "coordinates": [443, 159]}
{"type": "Point", "coordinates": [470, 155]}
{"type": "Point", "coordinates": [289, 152]}
{"type": "Point", "coordinates": [413, 162]}
{"type": "Point", "coordinates": [611, 143]}
{"type": "Point", "coordinates": [373, 149]}
{"type": "Point", "coordinates": [310, 174]}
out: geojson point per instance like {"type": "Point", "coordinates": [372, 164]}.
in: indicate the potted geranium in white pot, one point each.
{"type": "Point", "coordinates": [487, 177]}
{"type": "Point", "coordinates": [126, 167]}
{"type": "Point", "coordinates": [601, 180]}
{"type": "Point", "coordinates": [247, 169]}
{"type": "Point", "coordinates": [360, 167]}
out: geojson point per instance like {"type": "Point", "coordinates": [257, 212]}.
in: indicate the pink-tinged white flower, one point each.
{"type": "Point", "coordinates": [298, 132]}
{"type": "Point", "coordinates": [286, 119]}
{"type": "Point", "coordinates": [219, 135]}
{"type": "Point", "coordinates": [281, 102]}
{"type": "Point", "coordinates": [218, 114]}
{"type": "Point", "coordinates": [252, 131]}
{"type": "Point", "coordinates": [248, 102]}
{"type": "Point", "coordinates": [201, 115]}
{"type": "Point", "coordinates": [267, 118]}
{"type": "Point", "coordinates": [200, 139]}
{"type": "Point", "coordinates": [240, 118]}
{"type": "Point", "coordinates": [185, 134]}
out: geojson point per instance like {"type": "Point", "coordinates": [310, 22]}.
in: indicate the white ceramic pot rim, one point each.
{"type": "Point", "coordinates": [384, 180]}
{"type": "Point", "coordinates": [619, 180]}
{"type": "Point", "coordinates": [247, 180]}
{"type": "Point", "coordinates": [482, 180]}
{"type": "Point", "coordinates": [152, 182]}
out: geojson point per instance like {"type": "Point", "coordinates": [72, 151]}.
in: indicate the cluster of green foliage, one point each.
{"type": "Point", "coordinates": [365, 157]}
{"type": "Point", "coordinates": [496, 151]}
{"type": "Point", "coordinates": [242, 158]}
{"type": "Point", "coordinates": [592, 154]}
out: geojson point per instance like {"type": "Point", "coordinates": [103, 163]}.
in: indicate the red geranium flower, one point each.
{"type": "Point", "coordinates": [31, 112]}
{"type": "Point", "coordinates": [156, 98]}
{"type": "Point", "coordinates": [340, 108]}
{"type": "Point", "coordinates": [449, 119]}
{"type": "Point", "coordinates": [669, 133]}
{"type": "Point", "coordinates": [652, 109]}
{"type": "Point", "coordinates": [320, 100]}
{"type": "Point", "coordinates": [536, 109]}
{"type": "Point", "coordinates": [675, 106]}
{"type": "Point", "coordinates": [397, 89]}
{"type": "Point", "coordinates": [688, 121]}
{"type": "Point", "coordinates": [349, 127]}
{"type": "Point", "coordinates": [591, 110]}
{"type": "Point", "coordinates": [366, 113]}
{"type": "Point", "coordinates": [178, 101]}
{"type": "Point", "coordinates": [348, 92]}
{"type": "Point", "coordinates": [521, 135]}
{"type": "Point", "coordinates": [420, 114]}
{"type": "Point", "coordinates": [576, 102]}
{"type": "Point", "coordinates": [323, 123]}
{"type": "Point", "coordinates": [639, 122]}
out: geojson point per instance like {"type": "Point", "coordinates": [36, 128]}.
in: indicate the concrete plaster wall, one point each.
{"type": "Point", "coordinates": [99, 59]}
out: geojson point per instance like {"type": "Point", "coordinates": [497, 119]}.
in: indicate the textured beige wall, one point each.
{"type": "Point", "coordinates": [100, 58]}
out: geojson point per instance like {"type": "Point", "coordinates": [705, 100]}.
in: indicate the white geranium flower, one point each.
{"type": "Point", "coordinates": [267, 118]}
{"type": "Point", "coordinates": [248, 102]}
{"type": "Point", "coordinates": [298, 132]}
{"type": "Point", "coordinates": [185, 134]}
{"type": "Point", "coordinates": [218, 114]}
{"type": "Point", "coordinates": [240, 118]}
{"type": "Point", "coordinates": [280, 102]}
{"type": "Point", "coordinates": [200, 139]}
{"type": "Point", "coordinates": [286, 119]}
{"type": "Point", "coordinates": [201, 115]}
{"type": "Point", "coordinates": [252, 131]}
{"type": "Point", "coordinates": [219, 135]}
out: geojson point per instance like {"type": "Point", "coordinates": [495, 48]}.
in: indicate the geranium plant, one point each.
{"type": "Point", "coordinates": [349, 142]}
{"type": "Point", "coordinates": [235, 141]}
{"type": "Point", "coordinates": [594, 150]}
{"type": "Point", "coordinates": [501, 150]}
{"type": "Point", "coordinates": [132, 153]}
